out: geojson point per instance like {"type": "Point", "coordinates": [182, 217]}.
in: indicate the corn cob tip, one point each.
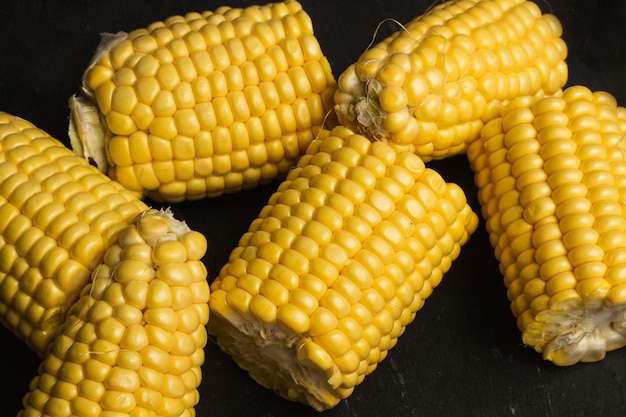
{"type": "Point", "coordinates": [335, 266]}
{"type": "Point", "coordinates": [133, 343]}
{"type": "Point", "coordinates": [206, 103]}
{"type": "Point", "coordinates": [430, 86]}
{"type": "Point", "coordinates": [551, 178]}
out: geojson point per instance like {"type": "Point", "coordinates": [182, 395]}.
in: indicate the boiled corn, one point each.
{"type": "Point", "coordinates": [206, 103]}
{"type": "Point", "coordinates": [58, 215]}
{"type": "Point", "coordinates": [430, 87]}
{"type": "Point", "coordinates": [133, 343]}
{"type": "Point", "coordinates": [335, 266]}
{"type": "Point", "coordinates": [551, 175]}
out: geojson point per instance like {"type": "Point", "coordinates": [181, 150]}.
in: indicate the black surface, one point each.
{"type": "Point", "coordinates": [462, 356]}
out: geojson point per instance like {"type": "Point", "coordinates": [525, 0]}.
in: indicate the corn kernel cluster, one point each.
{"type": "Point", "coordinates": [207, 103]}
{"type": "Point", "coordinates": [552, 183]}
{"type": "Point", "coordinates": [336, 265]}
{"type": "Point", "coordinates": [430, 86]}
{"type": "Point", "coordinates": [58, 215]}
{"type": "Point", "coordinates": [114, 296]}
{"type": "Point", "coordinates": [133, 343]}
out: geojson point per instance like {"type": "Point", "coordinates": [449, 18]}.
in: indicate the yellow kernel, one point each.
{"type": "Point", "coordinates": [348, 289]}
{"type": "Point", "coordinates": [373, 300]}
{"type": "Point", "coordinates": [95, 373]}
{"type": "Point", "coordinates": [169, 252]}
{"type": "Point", "coordinates": [589, 270]}
{"type": "Point", "coordinates": [285, 89]}
{"type": "Point", "coordinates": [98, 75]}
{"type": "Point", "coordinates": [549, 250]}
{"type": "Point", "coordinates": [585, 253]}
{"type": "Point", "coordinates": [276, 292]}
{"type": "Point", "coordinates": [164, 318]}
{"type": "Point", "coordinates": [127, 314]}
{"type": "Point", "coordinates": [554, 267]}
{"type": "Point", "coordinates": [311, 352]}
{"type": "Point", "coordinates": [334, 341]}
{"type": "Point", "coordinates": [121, 379]}
{"type": "Point", "coordinates": [123, 100]}
{"type": "Point", "coordinates": [313, 285]}
{"type": "Point", "coordinates": [580, 236]}
{"type": "Point", "coordinates": [265, 67]}
{"type": "Point", "coordinates": [293, 318]}
{"type": "Point", "coordinates": [152, 377]}
{"type": "Point", "coordinates": [263, 308]}
{"type": "Point", "coordinates": [322, 321]}
{"type": "Point", "coordinates": [159, 294]}
{"type": "Point", "coordinates": [335, 303]}
{"type": "Point", "coordinates": [561, 282]}
{"type": "Point", "coordinates": [135, 338]}
{"type": "Point", "coordinates": [595, 288]}
{"type": "Point", "coordinates": [83, 406]}
{"type": "Point", "coordinates": [129, 270]}
{"type": "Point", "coordinates": [328, 217]}
{"type": "Point", "coordinates": [304, 300]}
{"type": "Point", "coordinates": [159, 338]}
{"type": "Point", "coordinates": [334, 254]}
{"type": "Point", "coordinates": [393, 99]}
{"type": "Point", "coordinates": [616, 295]}
{"type": "Point", "coordinates": [381, 202]}
{"type": "Point", "coordinates": [121, 402]}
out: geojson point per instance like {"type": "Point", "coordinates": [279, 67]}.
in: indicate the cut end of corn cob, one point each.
{"type": "Point", "coordinates": [577, 332]}
{"type": "Point", "coordinates": [206, 103]}
{"type": "Point", "coordinates": [551, 175]}
{"type": "Point", "coordinates": [58, 215]}
{"type": "Point", "coordinates": [133, 344]}
{"type": "Point", "coordinates": [335, 266]}
{"type": "Point", "coordinates": [430, 87]}
{"type": "Point", "coordinates": [86, 123]}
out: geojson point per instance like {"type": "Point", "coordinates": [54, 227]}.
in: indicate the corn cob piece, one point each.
{"type": "Point", "coordinates": [431, 86]}
{"type": "Point", "coordinates": [204, 104]}
{"type": "Point", "coordinates": [133, 343]}
{"type": "Point", "coordinates": [552, 186]}
{"type": "Point", "coordinates": [58, 215]}
{"type": "Point", "coordinates": [336, 265]}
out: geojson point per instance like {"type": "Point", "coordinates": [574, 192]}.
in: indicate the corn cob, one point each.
{"type": "Point", "coordinates": [133, 343]}
{"type": "Point", "coordinates": [206, 103]}
{"type": "Point", "coordinates": [430, 86]}
{"type": "Point", "coordinates": [551, 175]}
{"type": "Point", "coordinates": [58, 215]}
{"type": "Point", "coordinates": [336, 265]}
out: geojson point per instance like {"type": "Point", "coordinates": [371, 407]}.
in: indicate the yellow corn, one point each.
{"type": "Point", "coordinates": [335, 266]}
{"type": "Point", "coordinates": [206, 103]}
{"type": "Point", "coordinates": [132, 345]}
{"type": "Point", "coordinates": [58, 215]}
{"type": "Point", "coordinates": [431, 86]}
{"type": "Point", "coordinates": [551, 175]}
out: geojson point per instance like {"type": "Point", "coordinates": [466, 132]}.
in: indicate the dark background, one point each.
{"type": "Point", "coordinates": [462, 356]}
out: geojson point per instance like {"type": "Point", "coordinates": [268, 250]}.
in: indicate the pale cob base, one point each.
{"type": "Point", "coordinates": [271, 358]}
{"type": "Point", "coordinates": [578, 332]}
